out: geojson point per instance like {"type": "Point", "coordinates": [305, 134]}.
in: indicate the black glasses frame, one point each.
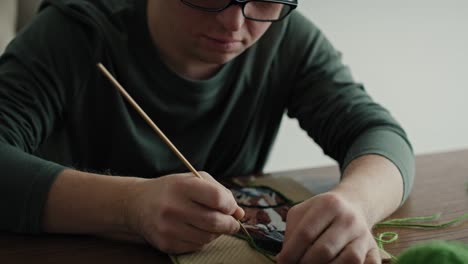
{"type": "Point", "coordinates": [242, 3]}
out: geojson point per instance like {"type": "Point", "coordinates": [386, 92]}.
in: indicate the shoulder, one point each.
{"type": "Point", "coordinates": [296, 42]}
{"type": "Point", "coordinates": [296, 28]}
{"type": "Point", "coordinates": [298, 22]}
{"type": "Point", "coordinates": [296, 34]}
{"type": "Point", "coordinates": [115, 13]}
{"type": "Point", "coordinates": [104, 6]}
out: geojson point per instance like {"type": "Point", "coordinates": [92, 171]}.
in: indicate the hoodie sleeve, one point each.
{"type": "Point", "coordinates": [38, 78]}
{"type": "Point", "coordinates": [336, 111]}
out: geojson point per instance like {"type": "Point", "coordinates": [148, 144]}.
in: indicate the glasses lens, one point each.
{"type": "Point", "coordinates": [268, 11]}
{"type": "Point", "coordinates": [208, 4]}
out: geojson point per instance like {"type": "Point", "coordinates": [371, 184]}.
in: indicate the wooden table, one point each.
{"type": "Point", "coordinates": [440, 186]}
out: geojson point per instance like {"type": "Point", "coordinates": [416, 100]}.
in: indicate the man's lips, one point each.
{"type": "Point", "coordinates": [223, 44]}
{"type": "Point", "coordinates": [223, 39]}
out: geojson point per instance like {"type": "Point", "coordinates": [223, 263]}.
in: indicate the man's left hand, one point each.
{"type": "Point", "coordinates": [328, 228]}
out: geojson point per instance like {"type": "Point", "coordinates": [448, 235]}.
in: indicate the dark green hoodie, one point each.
{"type": "Point", "coordinates": [57, 110]}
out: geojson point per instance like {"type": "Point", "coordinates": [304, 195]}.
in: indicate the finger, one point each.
{"type": "Point", "coordinates": [354, 253]}
{"type": "Point", "coordinates": [239, 213]}
{"type": "Point", "coordinates": [292, 220]}
{"type": "Point", "coordinates": [373, 256]}
{"type": "Point", "coordinates": [302, 231]}
{"type": "Point", "coordinates": [206, 176]}
{"type": "Point", "coordinates": [210, 220]}
{"type": "Point", "coordinates": [329, 244]}
{"type": "Point", "coordinates": [210, 194]}
{"type": "Point", "coordinates": [210, 178]}
{"type": "Point", "coordinates": [310, 210]}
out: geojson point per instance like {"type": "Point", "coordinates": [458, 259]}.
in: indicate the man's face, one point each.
{"type": "Point", "coordinates": [213, 38]}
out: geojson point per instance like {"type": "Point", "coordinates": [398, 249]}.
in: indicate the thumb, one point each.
{"type": "Point", "coordinates": [239, 213]}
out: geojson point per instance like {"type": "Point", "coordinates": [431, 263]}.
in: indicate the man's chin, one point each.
{"type": "Point", "coordinates": [219, 58]}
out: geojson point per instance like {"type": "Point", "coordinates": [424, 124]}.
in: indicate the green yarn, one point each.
{"type": "Point", "coordinates": [419, 222]}
{"type": "Point", "coordinates": [386, 238]}
{"type": "Point", "coordinates": [435, 252]}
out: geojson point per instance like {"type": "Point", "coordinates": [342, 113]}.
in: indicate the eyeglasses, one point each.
{"type": "Point", "coordinates": [257, 10]}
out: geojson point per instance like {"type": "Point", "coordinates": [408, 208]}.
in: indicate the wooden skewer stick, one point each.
{"type": "Point", "coordinates": [155, 128]}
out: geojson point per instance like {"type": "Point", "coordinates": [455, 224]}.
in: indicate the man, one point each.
{"type": "Point", "coordinates": [216, 76]}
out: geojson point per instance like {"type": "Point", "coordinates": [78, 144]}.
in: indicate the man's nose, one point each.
{"type": "Point", "coordinates": [231, 18]}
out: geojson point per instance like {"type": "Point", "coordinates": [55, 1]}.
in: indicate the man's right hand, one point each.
{"type": "Point", "coordinates": [176, 213]}
{"type": "Point", "coordinates": [181, 213]}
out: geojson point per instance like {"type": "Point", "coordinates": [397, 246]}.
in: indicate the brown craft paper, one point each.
{"type": "Point", "coordinates": [224, 250]}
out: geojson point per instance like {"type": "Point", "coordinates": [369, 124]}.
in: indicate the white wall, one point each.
{"type": "Point", "coordinates": [7, 22]}
{"type": "Point", "coordinates": [412, 57]}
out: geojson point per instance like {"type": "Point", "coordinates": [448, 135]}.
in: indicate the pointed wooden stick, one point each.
{"type": "Point", "coordinates": [155, 128]}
